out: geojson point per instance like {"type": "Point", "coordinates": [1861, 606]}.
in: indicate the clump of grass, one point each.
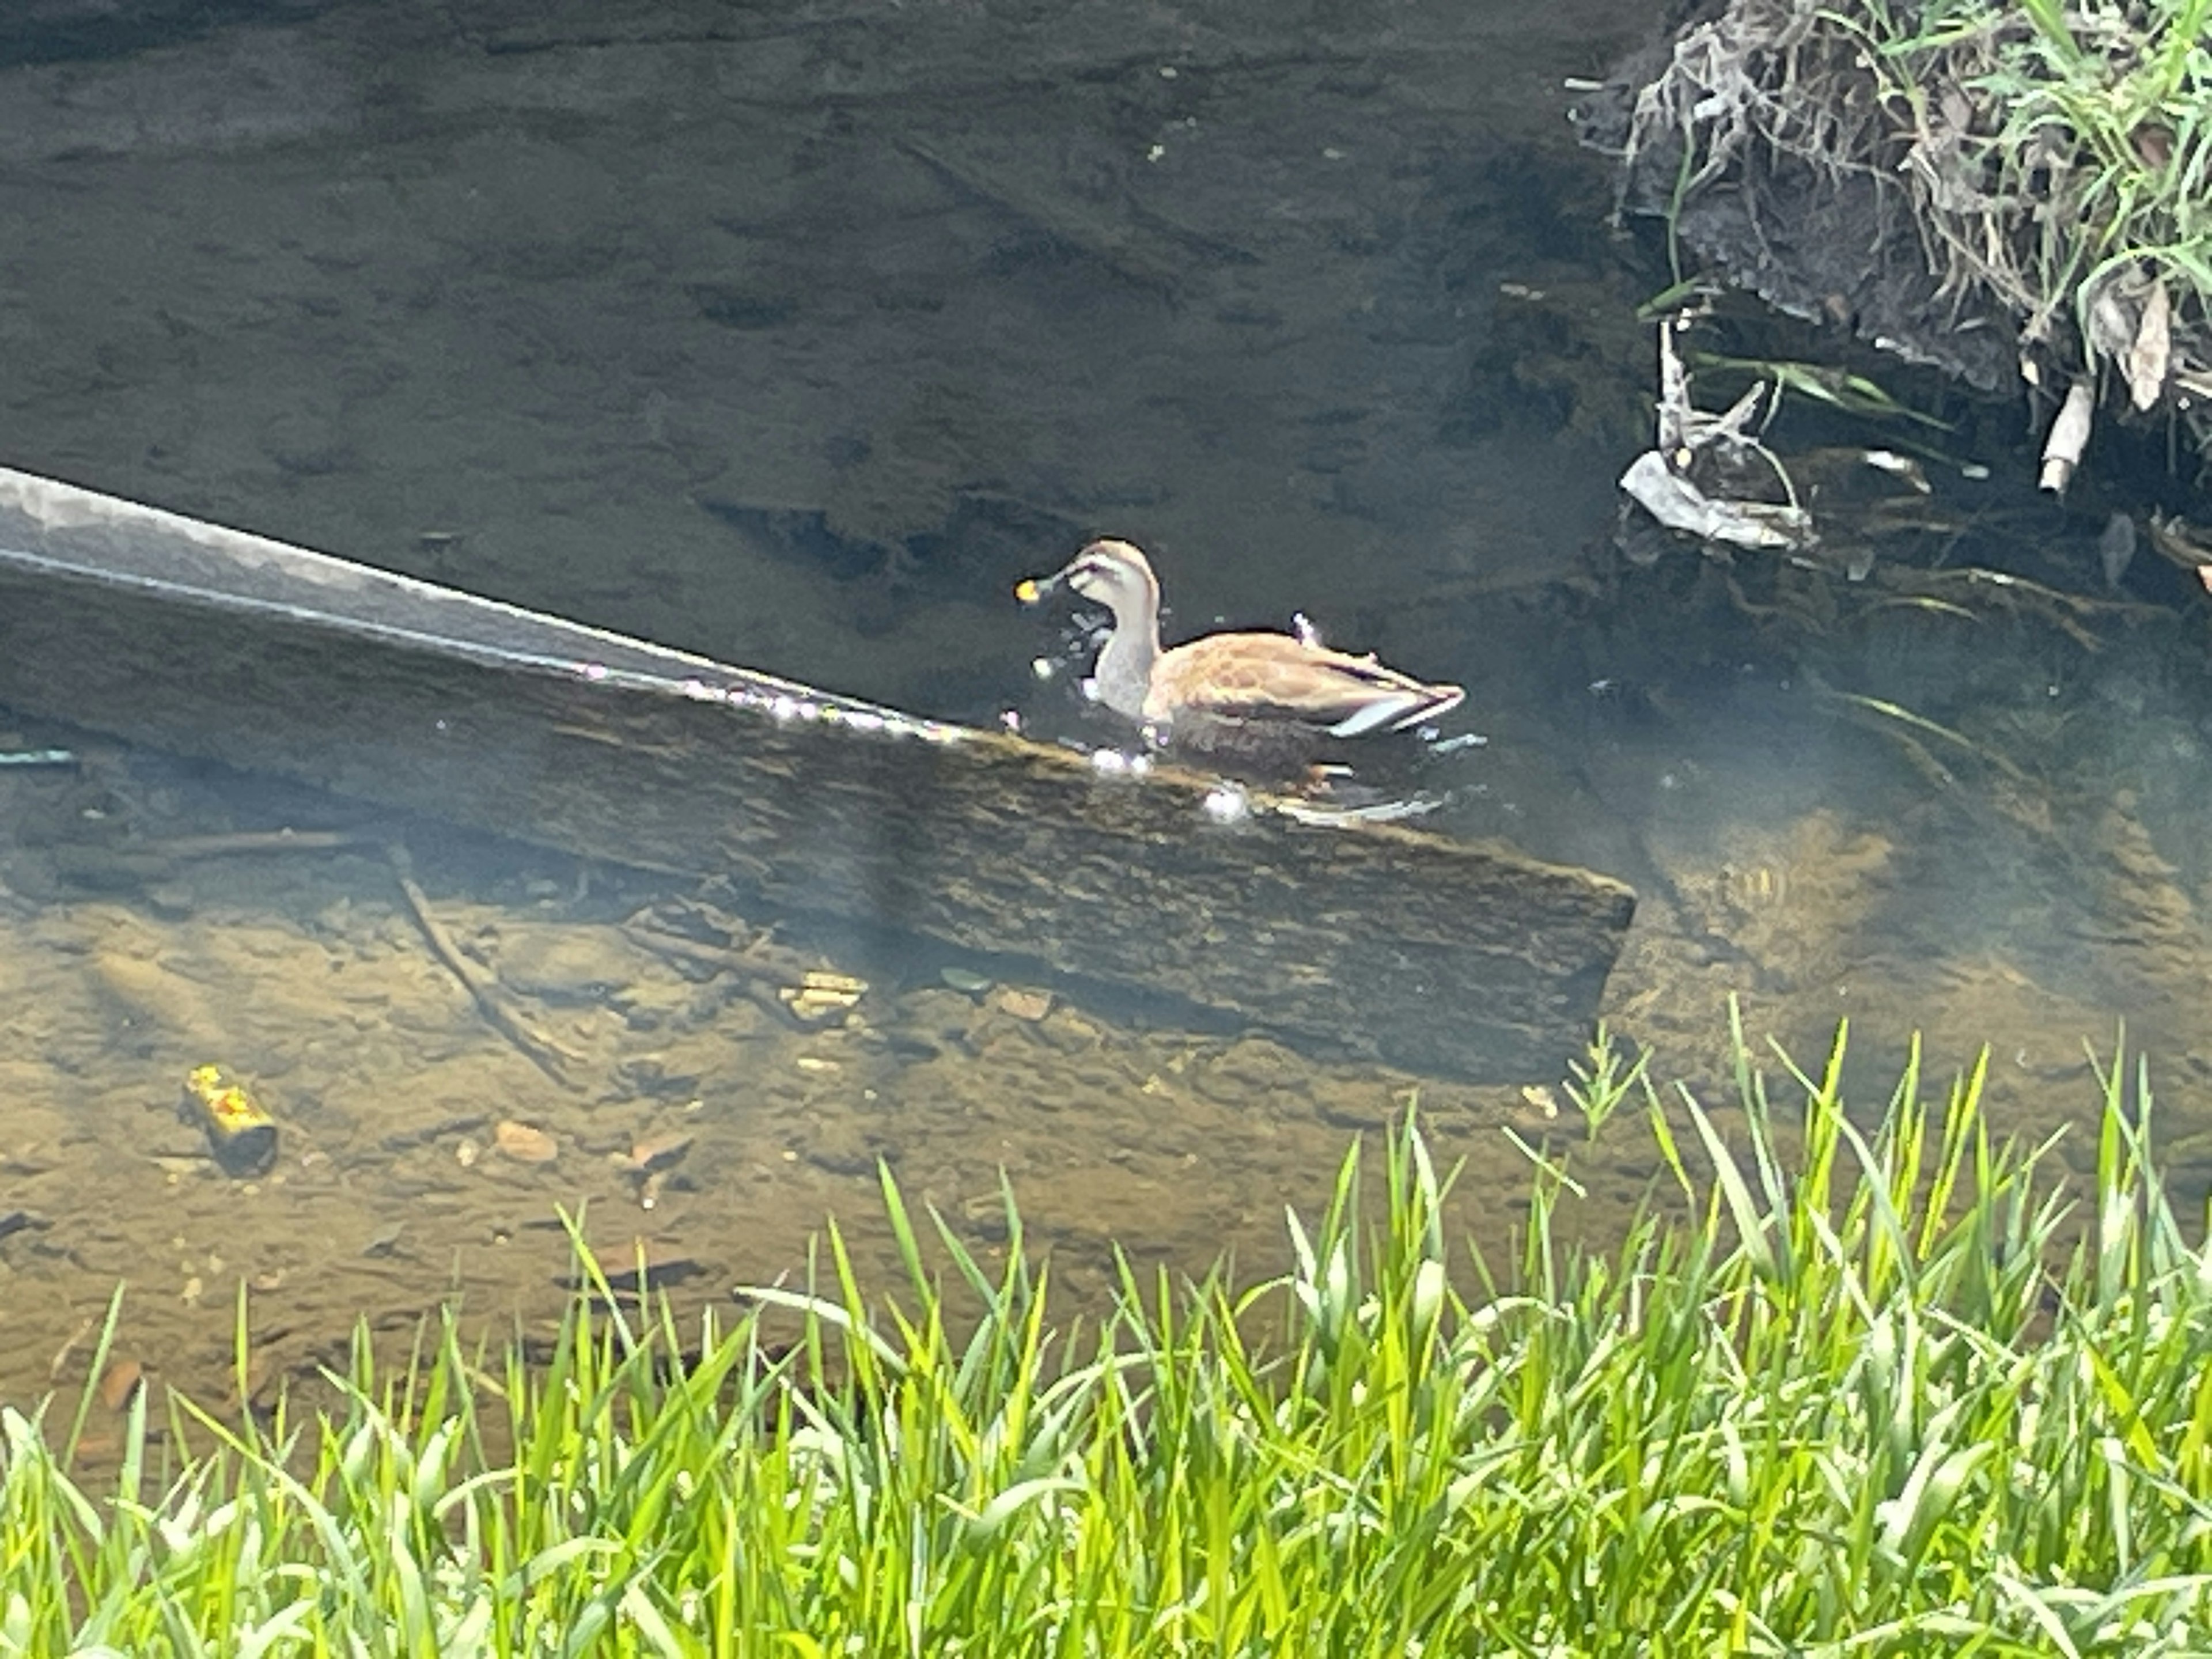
{"type": "Point", "coordinates": [2053, 141]}
{"type": "Point", "coordinates": [2053, 158]}
{"type": "Point", "coordinates": [1854, 1394]}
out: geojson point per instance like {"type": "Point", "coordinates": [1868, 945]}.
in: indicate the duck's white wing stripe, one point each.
{"type": "Point", "coordinates": [1396, 708]}
{"type": "Point", "coordinates": [1380, 715]}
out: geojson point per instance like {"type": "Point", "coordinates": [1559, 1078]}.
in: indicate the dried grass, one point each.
{"type": "Point", "coordinates": [2054, 161]}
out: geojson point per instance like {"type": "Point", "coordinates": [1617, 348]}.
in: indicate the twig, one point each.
{"type": "Point", "coordinates": [247, 842]}
{"type": "Point", "coordinates": [547, 1055]}
{"type": "Point", "coordinates": [62, 1354]}
{"type": "Point", "coordinates": [759, 978]}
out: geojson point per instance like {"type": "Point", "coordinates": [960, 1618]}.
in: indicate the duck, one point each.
{"type": "Point", "coordinates": [1277, 695]}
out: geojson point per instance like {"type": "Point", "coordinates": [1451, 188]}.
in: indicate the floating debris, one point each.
{"type": "Point", "coordinates": [38, 757]}
{"type": "Point", "coordinates": [1477, 740]}
{"type": "Point", "coordinates": [242, 1136]}
{"type": "Point", "coordinates": [525, 1143]}
{"type": "Point", "coordinates": [1659, 481]}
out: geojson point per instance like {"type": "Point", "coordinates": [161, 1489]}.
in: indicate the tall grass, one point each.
{"type": "Point", "coordinates": [2089, 145]}
{"type": "Point", "coordinates": [1844, 1388]}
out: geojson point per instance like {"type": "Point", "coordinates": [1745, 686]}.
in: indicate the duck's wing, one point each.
{"type": "Point", "coordinates": [1262, 677]}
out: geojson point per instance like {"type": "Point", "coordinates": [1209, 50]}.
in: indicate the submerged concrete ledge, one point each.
{"type": "Point", "coordinates": [1435, 954]}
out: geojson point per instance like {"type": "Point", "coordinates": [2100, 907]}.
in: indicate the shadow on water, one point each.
{"type": "Point", "coordinates": [796, 341]}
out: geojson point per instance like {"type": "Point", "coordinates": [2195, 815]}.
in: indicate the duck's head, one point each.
{"type": "Point", "coordinates": [1115, 573]}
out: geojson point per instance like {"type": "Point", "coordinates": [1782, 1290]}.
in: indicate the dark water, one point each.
{"type": "Point", "coordinates": [794, 337]}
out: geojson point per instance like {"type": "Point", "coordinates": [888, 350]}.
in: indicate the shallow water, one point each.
{"type": "Point", "coordinates": [795, 341]}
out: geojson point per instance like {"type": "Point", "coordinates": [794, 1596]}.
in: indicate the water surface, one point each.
{"type": "Point", "coordinates": [794, 339]}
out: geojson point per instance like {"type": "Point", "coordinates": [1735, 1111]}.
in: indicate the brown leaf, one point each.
{"type": "Point", "coordinates": [117, 1385]}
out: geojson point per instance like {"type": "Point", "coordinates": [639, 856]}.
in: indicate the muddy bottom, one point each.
{"type": "Point", "coordinates": [466, 1042]}
{"type": "Point", "coordinates": [676, 1077]}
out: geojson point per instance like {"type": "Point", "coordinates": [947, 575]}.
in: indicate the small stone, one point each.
{"type": "Point", "coordinates": [525, 1143]}
{"type": "Point", "coordinates": [656, 1154]}
{"type": "Point", "coordinates": [1022, 1005]}
{"type": "Point", "coordinates": [1540, 1095]}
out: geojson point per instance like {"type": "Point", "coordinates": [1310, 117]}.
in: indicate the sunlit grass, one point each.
{"type": "Point", "coordinates": [2053, 157]}
{"type": "Point", "coordinates": [2086, 139]}
{"type": "Point", "coordinates": [1880, 1386]}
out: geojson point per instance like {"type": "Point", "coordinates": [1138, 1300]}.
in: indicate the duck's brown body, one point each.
{"type": "Point", "coordinates": [1259, 694]}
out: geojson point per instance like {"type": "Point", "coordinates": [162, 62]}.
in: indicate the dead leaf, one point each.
{"type": "Point", "coordinates": [121, 1379]}
{"type": "Point", "coordinates": [2148, 357]}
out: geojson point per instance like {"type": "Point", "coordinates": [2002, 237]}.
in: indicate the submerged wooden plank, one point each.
{"type": "Point", "coordinates": [1435, 955]}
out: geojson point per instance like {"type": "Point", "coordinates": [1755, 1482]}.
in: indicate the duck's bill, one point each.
{"type": "Point", "coordinates": [1031, 589]}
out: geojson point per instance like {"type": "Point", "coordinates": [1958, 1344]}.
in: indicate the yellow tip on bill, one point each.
{"type": "Point", "coordinates": [1026, 592]}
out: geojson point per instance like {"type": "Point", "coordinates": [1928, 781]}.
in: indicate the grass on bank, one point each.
{"type": "Point", "coordinates": [2055, 144]}
{"type": "Point", "coordinates": [2054, 158]}
{"type": "Point", "coordinates": [1837, 1401]}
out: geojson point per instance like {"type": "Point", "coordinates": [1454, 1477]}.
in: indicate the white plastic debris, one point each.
{"type": "Point", "coordinates": [2069, 437]}
{"type": "Point", "coordinates": [1678, 504]}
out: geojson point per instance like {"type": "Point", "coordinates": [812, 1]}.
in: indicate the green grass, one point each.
{"type": "Point", "coordinates": [1878, 1389]}
{"type": "Point", "coordinates": [2054, 158]}
{"type": "Point", "coordinates": [2088, 142]}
